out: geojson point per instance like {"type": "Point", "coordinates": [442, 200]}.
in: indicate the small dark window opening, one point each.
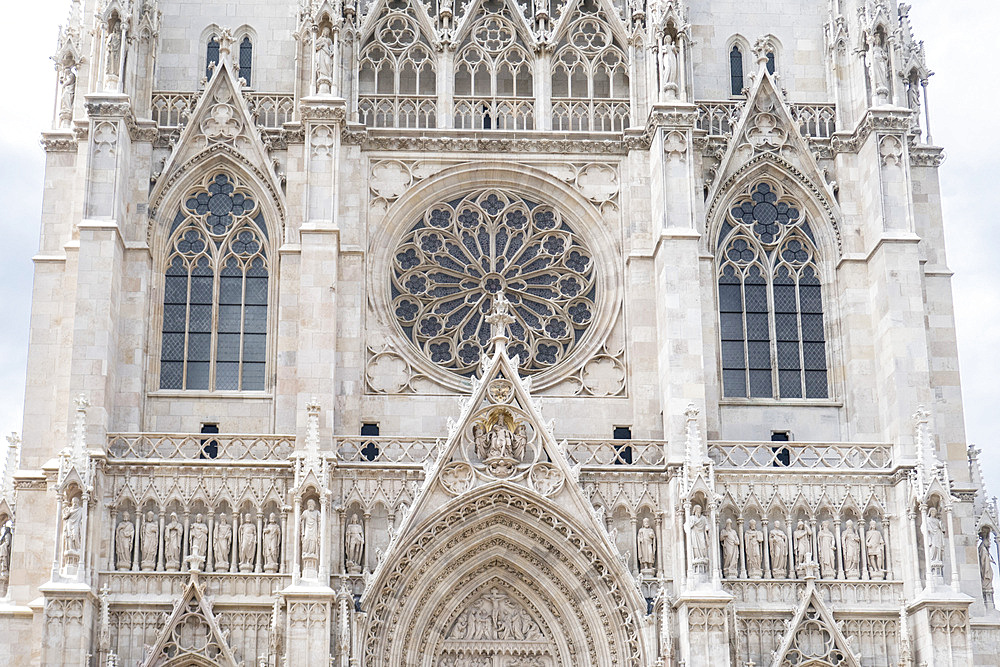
{"type": "Point", "coordinates": [782, 455]}
{"type": "Point", "coordinates": [770, 62]}
{"type": "Point", "coordinates": [211, 56]}
{"type": "Point", "coordinates": [246, 59]}
{"type": "Point", "coordinates": [623, 453]}
{"type": "Point", "coordinates": [736, 70]}
{"type": "Point", "coordinates": [369, 429]}
{"type": "Point", "coordinates": [487, 118]}
{"type": "Point", "coordinates": [370, 451]}
{"type": "Point", "coordinates": [209, 448]}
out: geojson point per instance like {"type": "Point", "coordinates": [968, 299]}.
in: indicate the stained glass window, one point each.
{"type": "Point", "coordinates": [211, 56]}
{"type": "Point", "coordinates": [215, 291]}
{"type": "Point", "coordinates": [246, 59]}
{"type": "Point", "coordinates": [770, 302]}
{"type": "Point", "coordinates": [736, 70]}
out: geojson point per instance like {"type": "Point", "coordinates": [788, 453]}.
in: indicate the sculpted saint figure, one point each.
{"type": "Point", "coordinates": [310, 530]}
{"type": "Point", "coordinates": [272, 542]}
{"type": "Point", "coordinates": [223, 543]}
{"type": "Point", "coordinates": [698, 535]}
{"type": "Point", "coordinates": [880, 70]}
{"type": "Point", "coordinates": [985, 561]}
{"type": "Point", "coordinates": [114, 53]}
{"type": "Point", "coordinates": [72, 527]}
{"type": "Point", "coordinates": [479, 439]}
{"type": "Point", "coordinates": [172, 534]}
{"type": "Point", "coordinates": [67, 81]}
{"type": "Point", "coordinates": [875, 546]}
{"type": "Point", "coordinates": [778, 541]}
{"type": "Point", "coordinates": [668, 64]}
{"type": "Point", "coordinates": [646, 541]}
{"type": "Point", "coordinates": [753, 542]}
{"type": "Point", "coordinates": [934, 531]}
{"type": "Point", "coordinates": [5, 539]}
{"type": "Point", "coordinates": [500, 441]}
{"type": "Point", "coordinates": [826, 542]}
{"type": "Point", "coordinates": [851, 542]}
{"type": "Point", "coordinates": [730, 550]}
{"type": "Point", "coordinates": [324, 62]}
{"type": "Point", "coordinates": [198, 537]}
{"type": "Point", "coordinates": [124, 541]}
{"type": "Point", "coordinates": [803, 547]}
{"type": "Point", "coordinates": [248, 543]}
{"type": "Point", "coordinates": [150, 541]}
{"type": "Point", "coordinates": [520, 441]}
{"type": "Point", "coordinates": [354, 544]}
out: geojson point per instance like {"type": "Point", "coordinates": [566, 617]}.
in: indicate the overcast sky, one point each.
{"type": "Point", "coordinates": [960, 41]}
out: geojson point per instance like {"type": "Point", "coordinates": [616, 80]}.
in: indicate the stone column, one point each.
{"type": "Point", "coordinates": [159, 542]}
{"type": "Point", "coordinates": [949, 514]}
{"type": "Point", "coordinates": [767, 548]}
{"type": "Point", "coordinates": [864, 549]}
{"type": "Point", "coordinates": [297, 542]}
{"type": "Point", "coordinates": [283, 547]}
{"type": "Point", "coordinates": [259, 559]}
{"type": "Point", "coordinates": [136, 541]}
{"type": "Point", "coordinates": [840, 548]}
{"type": "Point", "coordinates": [791, 546]}
{"type": "Point", "coordinates": [112, 528]}
{"type": "Point", "coordinates": [713, 541]}
{"type": "Point", "coordinates": [742, 547]}
{"type": "Point", "coordinates": [185, 539]}
{"type": "Point", "coordinates": [210, 548]}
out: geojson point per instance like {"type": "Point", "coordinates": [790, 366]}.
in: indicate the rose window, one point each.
{"type": "Point", "coordinates": [461, 254]}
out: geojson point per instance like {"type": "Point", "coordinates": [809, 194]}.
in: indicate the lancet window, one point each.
{"type": "Point", "coordinates": [211, 55]}
{"type": "Point", "coordinates": [493, 78]}
{"type": "Point", "coordinates": [215, 293]}
{"type": "Point", "coordinates": [246, 60]}
{"type": "Point", "coordinates": [397, 83]}
{"type": "Point", "coordinates": [770, 300]}
{"type": "Point", "coordinates": [736, 70]}
{"type": "Point", "coordinates": [590, 84]}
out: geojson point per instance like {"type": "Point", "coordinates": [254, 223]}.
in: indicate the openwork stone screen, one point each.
{"type": "Point", "coordinates": [462, 253]}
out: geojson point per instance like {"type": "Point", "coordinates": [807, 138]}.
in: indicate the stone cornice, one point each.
{"type": "Point", "coordinates": [477, 143]}
{"type": "Point", "coordinates": [59, 141]}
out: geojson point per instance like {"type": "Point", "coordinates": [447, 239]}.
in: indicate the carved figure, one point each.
{"type": "Point", "coordinates": [223, 543]}
{"type": "Point", "coordinates": [934, 532]}
{"type": "Point", "coordinates": [851, 543]}
{"type": "Point", "coordinates": [730, 550]}
{"type": "Point", "coordinates": [124, 542]}
{"type": "Point", "coordinates": [198, 538]}
{"type": "Point", "coordinates": [72, 528]}
{"type": "Point", "coordinates": [753, 541]}
{"type": "Point", "coordinates": [479, 440]}
{"type": "Point", "coordinates": [500, 441]}
{"type": "Point", "coordinates": [272, 543]}
{"type": "Point", "coordinates": [826, 543]}
{"type": "Point", "coordinates": [67, 94]}
{"type": "Point", "coordinates": [986, 561]}
{"type": "Point", "coordinates": [248, 543]}
{"type": "Point", "coordinates": [150, 541]}
{"type": "Point", "coordinates": [697, 526]}
{"type": "Point", "coordinates": [324, 62]}
{"type": "Point", "coordinates": [495, 616]}
{"type": "Point", "coordinates": [114, 52]}
{"type": "Point", "coordinates": [880, 70]}
{"type": "Point", "coordinates": [354, 546]}
{"type": "Point", "coordinates": [310, 530]}
{"type": "Point", "coordinates": [668, 65]}
{"type": "Point", "coordinates": [778, 542]}
{"type": "Point", "coordinates": [646, 541]}
{"type": "Point", "coordinates": [5, 539]}
{"type": "Point", "coordinates": [803, 547]}
{"type": "Point", "coordinates": [520, 441]}
{"type": "Point", "coordinates": [172, 534]}
{"type": "Point", "coordinates": [875, 546]}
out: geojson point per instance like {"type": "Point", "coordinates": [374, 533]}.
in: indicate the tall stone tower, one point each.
{"type": "Point", "coordinates": [503, 333]}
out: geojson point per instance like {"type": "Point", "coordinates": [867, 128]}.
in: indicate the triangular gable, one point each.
{"type": "Point", "coordinates": [513, 13]}
{"type": "Point", "coordinates": [380, 9]}
{"type": "Point", "coordinates": [813, 636]}
{"type": "Point", "coordinates": [605, 10]}
{"type": "Point", "coordinates": [191, 631]}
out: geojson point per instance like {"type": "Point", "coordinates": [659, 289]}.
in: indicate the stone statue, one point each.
{"type": "Point", "coordinates": [479, 440]}
{"type": "Point", "coordinates": [272, 544]}
{"type": "Point", "coordinates": [730, 550]}
{"type": "Point", "coordinates": [826, 543]}
{"type": "Point", "coordinates": [851, 542]}
{"type": "Point", "coordinates": [324, 62]}
{"type": "Point", "coordinates": [67, 94]}
{"type": "Point", "coordinates": [73, 529]}
{"type": "Point", "coordinates": [354, 545]}
{"type": "Point", "coordinates": [114, 53]}
{"type": "Point", "coordinates": [248, 543]}
{"type": "Point", "coordinates": [495, 616]}
{"type": "Point", "coordinates": [646, 541]}
{"type": "Point", "coordinates": [934, 532]}
{"type": "Point", "coordinates": [198, 539]}
{"type": "Point", "coordinates": [172, 535]}
{"type": "Point", "coordinates": [124, 542]}
{"type": "Point", "coordinates": [150, 541]}
{"type": "Point", "coordinates": [803, 547]}
{"type": "Point", "coordinates": [753, 541]}
{"type": "Point", "coordinates": [310, 530]}
{"type": "Point", "coordinates": [778, 542]}
{"type": "Point", "coordinates": [875, 546]}
{"type": "Point", "coordinates": [500, 441]}
{"type": "Point", "coordinates": [913, 95]}
{"type": "Point", "coordinates": [668, 65]}
{"type": "Point", "coordinates": [880, 70]}
{"type": "Point", "coordinates": [697, 526]}
{"type": "Point", "coordinates": [520, 441]}
{"type": "Point", "coordinates": [5, 539]}
{"type": "Point", "coordinates": [223, 543]}
{"type": "Point", "coordinates": [986, 561]}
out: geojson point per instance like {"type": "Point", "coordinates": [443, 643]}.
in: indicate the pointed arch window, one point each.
{"type": "Point", "coordinates": [215, 295]}
{"type": "Point", "coordinates": [211, 56]}
{"type": "Point", "coordinates": [736, 70]}
{"type": "Point", "coordinates": [246, 59]}
{"type": "Point", "coordinates": [770, 300]}
{"type": "Point", "coordinates": [771, 62]}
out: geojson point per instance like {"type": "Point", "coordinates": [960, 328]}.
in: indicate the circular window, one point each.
{"type": "Point", "coordinates": [462, 253]}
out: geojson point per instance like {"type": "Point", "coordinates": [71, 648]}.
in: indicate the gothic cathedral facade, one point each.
{"type": "Point", "coordinates": [501, 333]}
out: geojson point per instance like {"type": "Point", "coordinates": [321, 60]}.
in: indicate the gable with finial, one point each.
{"type": "Point", "coordinates": [813, 637]}
{"type": "Point", "coordinates": [191, 633]}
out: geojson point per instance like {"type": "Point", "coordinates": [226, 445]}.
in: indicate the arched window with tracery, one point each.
{"type": "Point", "coordinates": [397, 80]}
{"type": "Point", "coordinates": [211, 55]}
{"type": "Point", "coordinates": [770, 300]}
{"type": "Point", "coordinates": [246, 59]}
{"type": "Point", "coordinates": [736, 70]}
{"type": "Point", "coordinates": [215, 290]}
{"type": "Point", "coordinates": [493, 75]}
{"type": "Point", "coordinates": [590, 83]}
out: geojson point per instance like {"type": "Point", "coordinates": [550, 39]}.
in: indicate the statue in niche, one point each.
{"type": "Point", "coordinates": [668, 65]}
{"type": "Point", "coordinates": [324, 62]}
{"type": "Point", "coordinates": [913, 95]}
{"type": "Point", "coordinates": [124, 542]}
{"type": "Point", "coordinates": [875, 546]}
{"type": "Point", "coordinates": [697, 526]}
{"type": "Point", "coordinates": [500, 441]}
{"type": "Point", "coordinates": [150, 541]}
{"type": "Point", "coordinates": [172, 535]}
{"type": "Point", "coordinates": [803, 548]}
{"type": "Point", "coordinates": [354, 545]}
{"type": "Point", "coordinates": [272, 542]}
{"type": "Point", "coordinates": [520, 440]}
{"type": "Point", "coordinates": [198, 539]}
{"type": "Point", "coordinates": [248, 543]}
{"type": "Point", "coordinates": [67, 94]}
{"type": "Point", "coordinates": [851, 542]}
{"type": "Point", "coordinates": [646, 541]}
{"type": "Point", "coordinates": [730, 550]}
{"type": "Point", "coordinates": [986, 563]}
{"type": "Point", "coordinates": [479, 440]}
{"type": "Point", "coordinates": [223, 543]}
{"type": "Point", "coordinates": [753, 548]}
{"type": "Point", "coordinates": [72, 530]}
{"type": "Point", "coordinates": [504, 447]}
{"type": "Point", "coordinates": [778, 542]}
{"type": "Point", "coordinates": [6, 537]}
{"type": "Point", "coordinates": [934, 532]}
{"type": "Point", "coordinates": [880, 69]}
{"type": "Point", "coordinates": [826, 543]}
{"type": "Point", "coordinates": [309, 530]}
{"type": "Point", "coordinates": [113, 64]}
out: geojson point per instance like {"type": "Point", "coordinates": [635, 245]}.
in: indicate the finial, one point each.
{"type": "Point", "coordinates": [499, 318]}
